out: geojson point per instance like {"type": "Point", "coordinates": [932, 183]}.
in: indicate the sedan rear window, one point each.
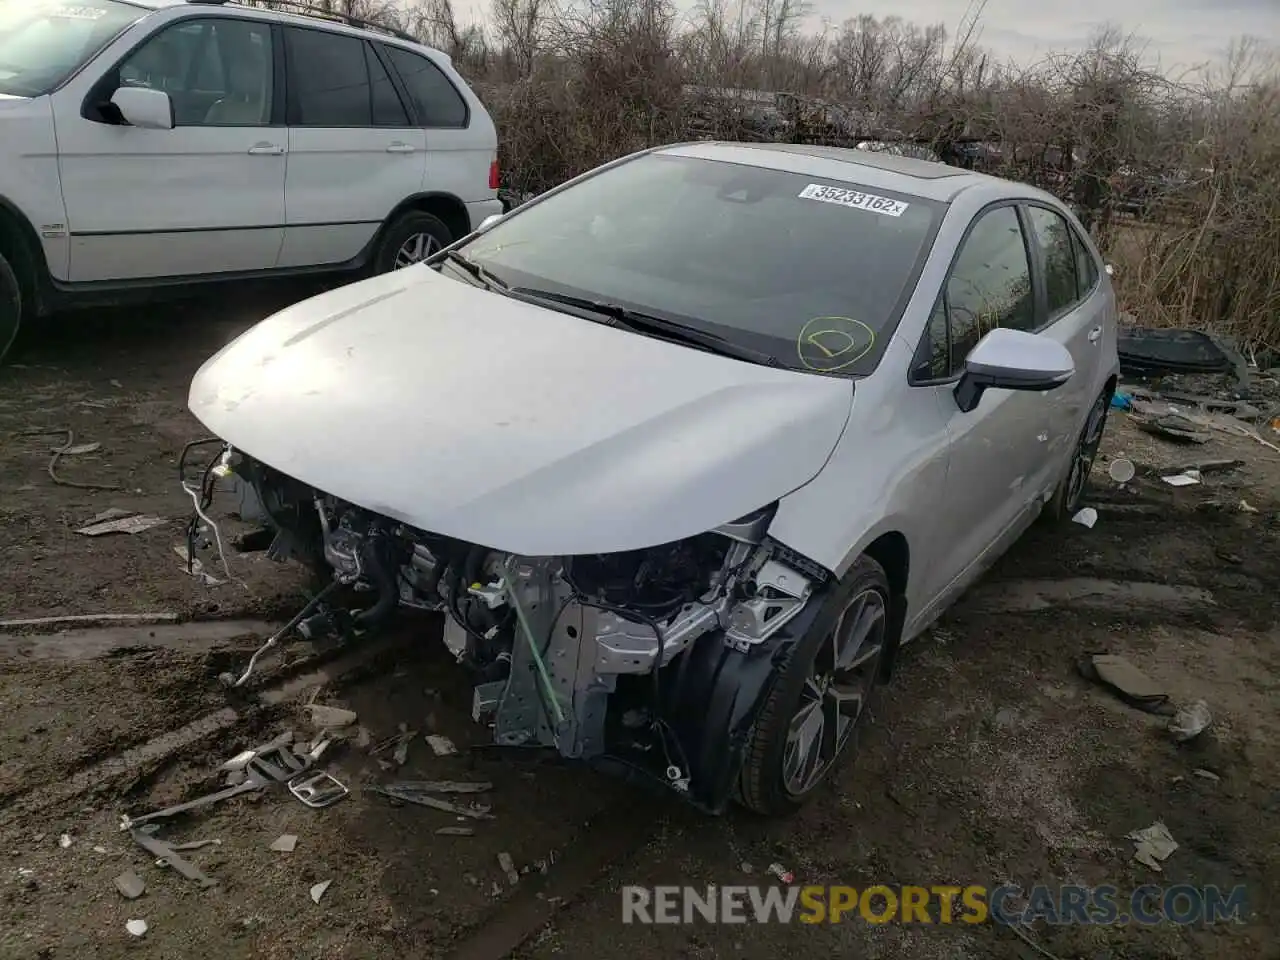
{"type": "Point", "coordinates": [813, 271]}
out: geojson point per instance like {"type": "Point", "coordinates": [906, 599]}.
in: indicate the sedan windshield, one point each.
{"type": "Point", "coordinates": [811, 272]}
{"type": "Point", "coordinates": [42, 42]}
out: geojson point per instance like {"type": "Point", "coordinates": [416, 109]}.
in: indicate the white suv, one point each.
{"type": "Point", "coordinates": [147, 144]}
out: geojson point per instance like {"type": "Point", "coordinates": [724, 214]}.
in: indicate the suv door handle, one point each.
{"type": "Point", "coordinates": [266, 150]}
{"type": "Point", "coordinates": [1095, 334]}
{"type": "Point", "coordinates": [399, 147]}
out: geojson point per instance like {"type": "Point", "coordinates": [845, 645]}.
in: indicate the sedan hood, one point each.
{"type": "Point", "coordinates": [474, 415]}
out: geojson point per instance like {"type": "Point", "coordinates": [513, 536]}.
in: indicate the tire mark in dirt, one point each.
{"type": "Point", "coordinates": [195, 636]}
{"type": "Point", "coordinates": [608, 840]}
{"type": "Point", "coordinates": [131, 761]}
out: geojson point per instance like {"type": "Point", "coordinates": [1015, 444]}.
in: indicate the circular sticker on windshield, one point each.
{"type": "Point", "coordinates": [828, 344]}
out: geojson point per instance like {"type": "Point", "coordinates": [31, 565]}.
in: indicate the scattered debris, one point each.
{"type": "Point", "coordinates": [419, 798]}
{"type": "Point", "coordinates": [327, 718]}
{"type": "Point", "coordinates": [1126, 681]}
{"type": "Point", "coordinates": [61, 451]}
{"type": "Point", "coordinates": [168, 855]}
{"type": "Point", "coordinates": [89, 619]}
{"type": "Point", "coordinates": [318, 890]}
{"type": "Point", "coordinates": [65, 841]}
{"type": "Point", "coordinates": [285, 843]}
{"type": "Point", "coordinates": [456, 832]}
{"type": "Point", "coordinates": [397, 743]}
{"type": "Point", "coordinates": [130, 525]}
{"type": "Point", "coordinates": [194, 845]}
{"type": "Point", "coordinates": [130, 885]}
{"type": "Point", "coordinates": [194, 566]}
{"type": "Point", "coordinates": [401, 755]}
{"type": "Point", "coordinates": [442, 746]}
{"type": "Point", "coordinates": [1185, 479]}
{"type": "Point", "coordinates": [1206, 774]}
{"type": "Point", "coordinates": [318, 790]}
{"type": "Point", "coordinates": [137, 927]}
{"type": "Point", "coordinates": [509, 868]}
{"type": "Point", "coordinates": [1190, 721]}
{"type": "Point", "coordinates": [1154, 845]}
{"type": "Point", "coordinates": [99, 849]}
{"type": "Point", "coordinates": [745, 867]}
{"type": "Point", "coordinates": [1244, 508]}
{"type": "Point", "coordinates": [781, 872]}
{"type": "Point", "coordinates": [80, 449]}
{"type": "Point", "coordinates": [1087, 517]}
{"type": "Point", "coordinates": [444, 786]}
{"type": "Point", "coordinates": [1148, 351]}
{"type": "Point", "coordinates": [1121, 470]}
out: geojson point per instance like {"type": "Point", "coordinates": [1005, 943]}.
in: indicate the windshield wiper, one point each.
{"type": "Point", "coordinates": [474, 269]}
{"type": "Point", "coordinates": [638, 321]}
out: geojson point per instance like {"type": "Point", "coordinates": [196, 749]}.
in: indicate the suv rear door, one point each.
{"type": "Point", "coordinates": [460, 140]}
{"type": "Point", "coordinates": [354, 153]}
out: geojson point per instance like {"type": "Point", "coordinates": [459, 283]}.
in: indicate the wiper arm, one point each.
{"type": "Point", "coordinates": [641, 322]}
{"type": "Point", "coordinates": [474, 269]}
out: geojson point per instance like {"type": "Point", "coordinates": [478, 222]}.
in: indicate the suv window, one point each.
{"type": "Point", "coordinates": [1053, 238]}
{"type": "Point", "coordinates": [328, 79]}
{"type": "Point", "coordinates": [218, 72]}
{"type": "Point", "coordinates": [41, 44]}
{"type": "Point", "coordinates": [388, 111]}
{"type": "Point", "coordinates": [437, 102]}
{"type": "Point", "coordinates": [989, 286]}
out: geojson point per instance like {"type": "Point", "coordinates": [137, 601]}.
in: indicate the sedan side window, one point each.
{"type": "Point", "coordinates": [1053, 238]}
{"type": "Point", "coordinates": [218, 73]}
{"type": "Point", "coordinates": [989, 287]}
{"type": "Point", "coordinates": [1086, 268]}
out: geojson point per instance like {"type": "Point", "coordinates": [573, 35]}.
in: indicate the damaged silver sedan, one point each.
{"type": "Point", "coordinates": [685, 449]}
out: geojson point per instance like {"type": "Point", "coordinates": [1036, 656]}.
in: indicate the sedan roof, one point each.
{"type": "Point", "coordinates": [922, 178]}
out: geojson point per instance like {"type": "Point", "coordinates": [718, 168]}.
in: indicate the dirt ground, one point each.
{"type": "Point", "coordinates": [989, 760]}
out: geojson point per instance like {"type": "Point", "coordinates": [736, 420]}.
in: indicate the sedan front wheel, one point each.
{"type": "Point", "coordinates": [820, 692]}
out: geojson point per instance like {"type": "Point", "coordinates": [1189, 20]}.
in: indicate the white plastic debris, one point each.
{"type": "Point", "coordinates": [1187, 478]}
{"type": "Point", "coordinates": [65, 841]}
{"type": "Point", "coordinates": [137, 927]}
{"type": "Point", "coordinates": [131, 887]}
{"type": "Point", "coordinates": [331, 717]}
{"type": "Point", "coordinates": [285, 843]}
{"type": "Point", "coordinates": [318, 890]}
{"type": "Point", "coordinates": [1190, 721]}
{"type": "Point", "coordinates": [1122, 470]}
{"type": "Point", "coordinates": [509, 868]}
{"type": "Point", "coordinates": [1153, 845]}
{"type": "Point", "coordinates": [781, 872]}
{"type": "Point", "coordinates": [1086, 517]}
{"type": "Point", "coordinates": [441, 746]}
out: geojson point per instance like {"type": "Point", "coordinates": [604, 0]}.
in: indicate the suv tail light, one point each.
{"type": "Point", "coordinates": [493, 174]}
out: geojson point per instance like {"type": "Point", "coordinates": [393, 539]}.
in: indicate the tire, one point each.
{"type": "Point", "coordinates": [10, 307]}
{"type": "Point", "coordinates": [429, 231]}
{"type": "Point", "coordinates": [770, 781]}
{"type": "Point", "coordinates": [1069, 494]}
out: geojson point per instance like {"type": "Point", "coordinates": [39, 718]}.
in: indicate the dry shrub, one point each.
{"type": "Point", "coordinates": [1179, 184]}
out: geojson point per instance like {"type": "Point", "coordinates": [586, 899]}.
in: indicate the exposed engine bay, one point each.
{"type": "Point", "coordinates": [603, 657]}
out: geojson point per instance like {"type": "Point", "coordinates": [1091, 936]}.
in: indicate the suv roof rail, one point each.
{"type": "Point", "coordinates": [319, 13]}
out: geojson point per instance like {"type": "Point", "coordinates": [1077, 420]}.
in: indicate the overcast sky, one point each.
{"type": "Point", "coordinates": [1179, 33]}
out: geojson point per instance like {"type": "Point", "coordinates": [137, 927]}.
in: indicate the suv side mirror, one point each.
{"type": "Point", "coordinates": [145, 108]}
{"type": "Point", "coordinates": [1012, 360]}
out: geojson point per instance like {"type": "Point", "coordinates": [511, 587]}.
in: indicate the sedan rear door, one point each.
{"type": "Point", "coordinates": [1075, 307]}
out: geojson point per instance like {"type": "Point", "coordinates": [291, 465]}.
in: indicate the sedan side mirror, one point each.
{"type": "Point", "coordinates": [490, 220]}
{"type": "Point", "coordinates": [145, 108]}
{"type": "Point", "coordinates": [1012, 360]}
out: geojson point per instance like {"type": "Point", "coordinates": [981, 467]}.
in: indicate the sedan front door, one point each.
{"type": "Point", "coordinates": [997, 451]}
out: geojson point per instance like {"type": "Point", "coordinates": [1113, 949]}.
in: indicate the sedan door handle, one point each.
{"type": "Point", "coordinates": [1095, 334]}
{"type": "Point", "coordinates": [399, 147]}
{"type": "Point", "coordinates": [266, 150]}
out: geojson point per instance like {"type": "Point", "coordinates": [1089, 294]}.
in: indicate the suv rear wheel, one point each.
{"type": "Point", "coordinates": [410, 239]}
{"type": "Point", "coordinates": [10, 307]}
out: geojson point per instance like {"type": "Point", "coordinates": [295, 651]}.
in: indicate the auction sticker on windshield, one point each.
{"type": "Point", "coordinates": [855, 199]}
